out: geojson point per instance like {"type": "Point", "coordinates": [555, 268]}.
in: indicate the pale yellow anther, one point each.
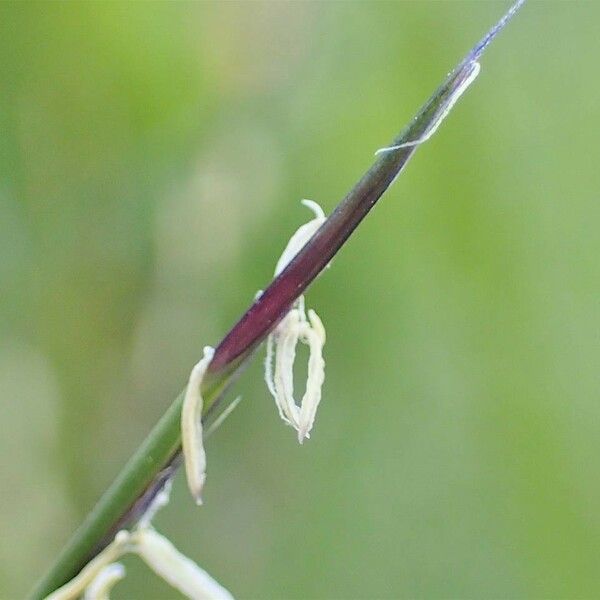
{"type": "Point", "coordinates": [177, 570]}
{"type": "Point", "coordinates": [77, 586]}
{"type": "Point", "coordinates": [281, 345]}
{"type": "Point", "coordinates": [98, 577]}
{"type": "Point", "coordinates": [102, 584]}
{"type": "Point", "coordinates": [192, 440]}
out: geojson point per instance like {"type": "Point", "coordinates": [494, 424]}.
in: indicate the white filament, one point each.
{"type": "Point", "coordinates": [160, 500]}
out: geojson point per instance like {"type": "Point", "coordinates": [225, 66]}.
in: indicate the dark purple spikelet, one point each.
{"type": "Point", "coordinates": [277, 299]}
{"type": "Point", "coordinates": [159, 456]}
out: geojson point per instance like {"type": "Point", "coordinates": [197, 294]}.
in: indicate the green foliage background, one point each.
{"type": "Point", "coordinates": [151, 161]}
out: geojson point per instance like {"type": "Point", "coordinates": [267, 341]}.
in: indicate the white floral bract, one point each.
{"type": "Point", "coordinates": [281, 344]}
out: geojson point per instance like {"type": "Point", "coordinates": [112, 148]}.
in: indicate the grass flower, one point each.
{"type": "Point", "coordinates": [282, 342]}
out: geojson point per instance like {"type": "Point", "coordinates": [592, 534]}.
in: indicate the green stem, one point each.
{"type": "Point", "coordinates": [158, 457]}
{"type": "Point", "coordinates": [150, 466]}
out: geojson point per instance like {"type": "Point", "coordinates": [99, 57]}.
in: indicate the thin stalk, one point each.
{"type": "Point", "coordinates": [159, 456]}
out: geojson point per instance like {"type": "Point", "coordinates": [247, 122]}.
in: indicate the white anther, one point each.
{"type": "Point", "coordinates": [107, 578]}
{"type": "Point", "coordinates": [474, 67]}
{"type": "Point", "coordinates": [176, 569]}
{"type": "Point", "coordinates": [288, 333]}
{"type": "Point", "coordinates": [77, 586]}
{"type": "Point", "coordinates": [282, 342]}
{"type": "Point", "coordinates": [98, 577]}
{"type": "Point", "coordinates": [314, 336]}
{"type": "Point", "coordinates": [269, 376]}
{"type": "Point", "coordinates": [191, 428]}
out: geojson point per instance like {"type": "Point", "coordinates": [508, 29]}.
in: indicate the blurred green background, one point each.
{"type": "Point", "coordinates": [152, 157]}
